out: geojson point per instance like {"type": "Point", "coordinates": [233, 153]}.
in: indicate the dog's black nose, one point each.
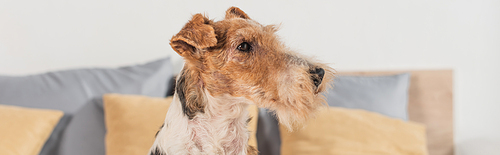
{"type": "Point", "coordinates": [320, 72]}
{"type": "Point", "coordinates": [317, 75]}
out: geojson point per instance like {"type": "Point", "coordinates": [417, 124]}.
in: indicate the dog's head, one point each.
{"type": "Point", "coordinates": [239, 57]}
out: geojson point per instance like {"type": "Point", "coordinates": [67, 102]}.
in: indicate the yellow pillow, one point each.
{"type": "Point", "coordinates": [354, 132]}
{"type": "Point", "coordinates": [25, 130]}
{"type": "Point", "coordinates": [130, 119]}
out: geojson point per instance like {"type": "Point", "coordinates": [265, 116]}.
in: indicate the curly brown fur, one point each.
{"type": "Point", "coordinates": [230, 64]}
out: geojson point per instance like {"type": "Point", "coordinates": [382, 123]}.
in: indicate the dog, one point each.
{"type": "Point", "coordinates": [230, 64]}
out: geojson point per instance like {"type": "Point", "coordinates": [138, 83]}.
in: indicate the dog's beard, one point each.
{"type": "Point", "coordinates": [298, 112]}
{"type": "Point", "coordinates": [296, 98]}
{"type": "Point", "coordinates": [295, 104]}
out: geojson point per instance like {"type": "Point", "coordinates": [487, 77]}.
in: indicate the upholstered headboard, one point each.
{"type": "Point", "coordinates": [430, 103]}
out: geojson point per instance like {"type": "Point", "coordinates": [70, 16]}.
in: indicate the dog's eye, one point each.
{"type": "Point", "coordinates": [244, 47]}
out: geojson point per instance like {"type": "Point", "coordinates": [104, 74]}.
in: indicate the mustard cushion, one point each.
{"type": "Point", "coordinates": [132, 122]}
{"type": "Point", "coordinates": [23, 131]}
{"type": "Point", "coordinates": [354, 132]}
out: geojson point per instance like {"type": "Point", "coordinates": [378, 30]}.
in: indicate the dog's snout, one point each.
{"type": "Point", "coordinates": [317, 75]}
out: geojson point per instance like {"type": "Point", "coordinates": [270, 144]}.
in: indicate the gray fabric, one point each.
{"type": "Point", "coordinates": [85, 134]}
{"type": "Point", "coordinates": [73, 89]}
{"type": "Point", "coordinates": [268, 134]}
{"type": "Point", "coordinates": [52, 144]}
{"type": "Point", "coordinates": [387, 95]}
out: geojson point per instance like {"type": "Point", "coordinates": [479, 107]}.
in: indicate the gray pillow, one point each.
{"type": "Point", "coordinates": [268, 133]}
{"type": "Point", "coordinates": [386, 95]}
{"type": "Point", "coordinates": [71, 90]}
{"type": "Point", "coordinates": [86, 131]}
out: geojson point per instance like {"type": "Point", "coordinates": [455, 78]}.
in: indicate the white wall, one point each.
{"type": "Point", "coordinates": [464, 35]}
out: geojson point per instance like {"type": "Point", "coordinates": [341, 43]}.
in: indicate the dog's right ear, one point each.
{"type": "Point", "coordinates": [197, 34]}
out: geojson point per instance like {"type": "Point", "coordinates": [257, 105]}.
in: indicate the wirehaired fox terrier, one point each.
{"type": "Point", "coordinates": [230, 64]}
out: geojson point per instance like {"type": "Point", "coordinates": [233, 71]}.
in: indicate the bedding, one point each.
{"type": "Point", "coordinates": [354, 132]}
{"type": "Point", "coordinates": [430, 103]}
{"type": "Point", "coordinates": [74, 91]}
{"type": "Point", "coordinates": [88, 121]}
{"type": "Point", "coordinates": [23, 131]}
{"type": "Point", "coordinates": [387, 95]}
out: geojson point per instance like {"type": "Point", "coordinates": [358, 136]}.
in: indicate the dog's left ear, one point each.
{"type": "Point", "coordinates": [235, 12]}
{"type": "Point", "coordinates": [197, 34]}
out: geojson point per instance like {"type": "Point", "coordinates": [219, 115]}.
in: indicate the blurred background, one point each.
{"type": "Point", "coordinates": [357, 35]}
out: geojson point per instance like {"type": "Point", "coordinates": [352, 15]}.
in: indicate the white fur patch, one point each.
{"type": "Point", "coordinates": [221, 129]}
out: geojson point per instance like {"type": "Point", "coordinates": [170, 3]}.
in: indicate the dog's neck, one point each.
{"type": "Point", "coordinates": [228, 117]}
{"type": "Point", "coordinates": [220, 129]}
